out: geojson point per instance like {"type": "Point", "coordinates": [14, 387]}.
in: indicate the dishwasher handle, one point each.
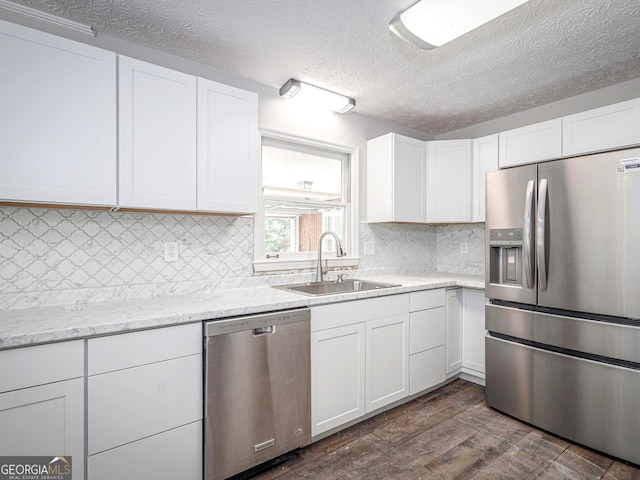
{"type": "Point", "coordinates": [260, 331]}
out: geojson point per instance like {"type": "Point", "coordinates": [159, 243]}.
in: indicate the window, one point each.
{"type": "Point", "coordinates": [306, 190]}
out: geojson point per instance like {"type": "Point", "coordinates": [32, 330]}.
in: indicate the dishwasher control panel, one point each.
{"type": "Point", "coordinates": [260, 321]}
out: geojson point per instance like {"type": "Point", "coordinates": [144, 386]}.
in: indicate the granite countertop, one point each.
{"type": "Point", "coordinates": [33, 326]}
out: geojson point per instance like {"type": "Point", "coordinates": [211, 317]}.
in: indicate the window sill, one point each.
{"type": "Point", "coordinates": [282, 266]}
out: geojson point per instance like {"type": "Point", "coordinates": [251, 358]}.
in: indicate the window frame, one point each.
{"type": "Point", "coordinates": [307, 260]}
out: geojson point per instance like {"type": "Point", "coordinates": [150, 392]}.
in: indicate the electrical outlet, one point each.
{"type": "Point", "coordinates": [464, 248]}
{"type": "Point", "coordinates": [171, 251]}
{"type": "Point", "coordinates": [369, 248]}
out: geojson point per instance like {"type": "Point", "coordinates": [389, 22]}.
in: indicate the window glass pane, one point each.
{"type": "Point", "coordinates": [299, 172]}
{"type": "Point", "coordinates": [296, 227]}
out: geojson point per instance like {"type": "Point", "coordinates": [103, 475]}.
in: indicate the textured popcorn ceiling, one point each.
{"type": "Point", "coordinates": [543, 51]}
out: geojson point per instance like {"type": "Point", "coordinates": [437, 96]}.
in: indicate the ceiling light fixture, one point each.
{"type": "Point", "coordinates": [33, 14]}
{"type": "Point", "coordinates": [432, 23]}
{"type": "Point", "coordinates": [317, 96]}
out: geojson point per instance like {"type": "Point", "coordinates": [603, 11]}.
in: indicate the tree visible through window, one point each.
{"type": "Point", "coordinates": [305, 192]}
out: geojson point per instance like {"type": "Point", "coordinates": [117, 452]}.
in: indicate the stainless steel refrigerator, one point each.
{"type": "Point", "coordinates": [563, 279]}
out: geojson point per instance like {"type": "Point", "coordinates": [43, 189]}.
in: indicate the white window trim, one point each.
{"type": "Point", "coordinates": [262, 265]}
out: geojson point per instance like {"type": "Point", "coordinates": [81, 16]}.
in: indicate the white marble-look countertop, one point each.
{"type": "Point", "coordinates": [33, 326]}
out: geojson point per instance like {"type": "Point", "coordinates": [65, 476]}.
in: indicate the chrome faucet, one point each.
{"type": "Point", "coordinates": [339, 253]}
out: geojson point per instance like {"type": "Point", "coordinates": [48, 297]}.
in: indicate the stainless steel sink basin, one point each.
{"type": "Point", "coordinates": [335, 287]}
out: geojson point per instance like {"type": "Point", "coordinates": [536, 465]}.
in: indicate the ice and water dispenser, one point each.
{"type": "Point", "coordinates": [505, 255]}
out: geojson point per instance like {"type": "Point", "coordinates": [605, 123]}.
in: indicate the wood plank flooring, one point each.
{"type": "Point", "coordinates": [447, 434]}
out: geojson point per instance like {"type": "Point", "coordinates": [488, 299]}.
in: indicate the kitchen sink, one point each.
{"type": "Point", "coordinates": [335, 287]}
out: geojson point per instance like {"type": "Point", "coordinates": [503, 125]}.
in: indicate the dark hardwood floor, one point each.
{"type": "Point", "coordinates": [447, 434]}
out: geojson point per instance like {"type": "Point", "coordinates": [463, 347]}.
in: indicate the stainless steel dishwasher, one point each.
{"type": "Point", "coordinates": [257, 390]}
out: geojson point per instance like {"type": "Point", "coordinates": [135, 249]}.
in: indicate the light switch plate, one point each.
{"type": "Point", "coordinates": [464, 248]}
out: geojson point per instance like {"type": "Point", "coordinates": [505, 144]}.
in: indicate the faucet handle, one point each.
{"type": "Point", "coordinates": [341, 277]}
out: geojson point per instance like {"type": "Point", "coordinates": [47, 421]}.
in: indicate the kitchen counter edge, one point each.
{"type": "Point", "coordinates": [34, 326]}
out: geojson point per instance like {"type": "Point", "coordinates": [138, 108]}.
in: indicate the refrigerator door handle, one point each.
{"type": "Point", "coordinates": [541, 235]}
{"type": "Point", "coordinates": [528, 235]}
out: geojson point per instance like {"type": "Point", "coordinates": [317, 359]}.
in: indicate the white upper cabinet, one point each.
{"type": "Point", "coordinates": [449, 181]}
{"type": "Point", "coordinates": [58, 108]}
{"type": "Point", "coordinates": [541, 141]}
{"type": "Point", "coordinates": [485, 160]}
{"type": "Point", "coordinates": [157, 135]}
{"type": "Point", "coordinates": [396, 179]}
{"type": "Point", "coordinates": [612, 126]}
{"type": "Point", "coordinates": [228, 148]}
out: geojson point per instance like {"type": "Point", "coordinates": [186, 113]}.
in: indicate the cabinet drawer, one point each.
{"type": "Point", "coordinates": [31, 366]}
{"type": "Point", "coordinates": [134, 403]}
{"type": "Point", "coordinates": [126, 350]}
{"type": "Point", "coordinates": [167, 456]}
{"type": "Point", "coordinates": [426, 299]}
{"type": "Point", "coordinates": [426, 369]}
{"type": "Point", "coordinates": [348, 313]}
{"type": "Point", "coordinates": [427, 329]}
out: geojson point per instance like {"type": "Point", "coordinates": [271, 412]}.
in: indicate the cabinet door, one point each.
{"type": "Point", "coordinates": [157, 135]}
{"type": "Point", "coordinates": [409, 180]}
{"type": "Point", "coordinates": [449, 181]}
{"type": "Point", "coordinates": [396, 179]}
{"type": "Point", "coordinates": [45, 420]}
{"type": "Point", "coordinates": [454, 330]}
{"type": "Point", "coordinates": [602, 128]}
{"type": "Point", "coordinates": [541, 141]}
{"type": "Point", "coordinates": [337, 376]}
{"type": "Point", "coordinates": [485, 160]}
{"type": "Point", "coordinates": [58, 133]}
{"type": "Point", "coordinates": [171, 455]}
{"type": "Point", "coordinates": [387, 374]}
{"type": "Point", "coordinates": [228, 148]}
{"type": "Point", "coordinates": [473, 331]}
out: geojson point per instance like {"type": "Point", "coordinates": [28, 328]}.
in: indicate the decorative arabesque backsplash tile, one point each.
{"type": "Point", "coordinates": [48, 249]}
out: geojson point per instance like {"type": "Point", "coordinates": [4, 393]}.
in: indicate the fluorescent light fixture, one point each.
{"type": "Point", "coordinates": [33, 14]}
{"type": "Point", "coordinates": [432, 23]}
{"type": "Point", "coordinates": [317, 96]}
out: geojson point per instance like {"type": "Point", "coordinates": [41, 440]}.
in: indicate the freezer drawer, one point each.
{"type": "Point", "coordinates": [592, 403]}
{"type": "Point", "coordinates": [611, 340]}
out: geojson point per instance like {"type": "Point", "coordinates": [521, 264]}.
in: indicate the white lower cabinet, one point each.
{"type": "Point", "coordinates": [454, 331]}
{"type": "Point", "coordinates": [42, 402]}
{"type": "Point", "coordinates": [359, 359]}
{"type": "Point", "coordinates": [387, 365]}
{"type": "Point", "coordinates": [427, 340]}
{"type": "Point", "coordinates": [337, 376]}
{"type": "Point", "coordinates": [145, 404]}
{"type": "Point", "coordinates": [174, 454]}
{"type": "Point", "coordinates": [473, 332]}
